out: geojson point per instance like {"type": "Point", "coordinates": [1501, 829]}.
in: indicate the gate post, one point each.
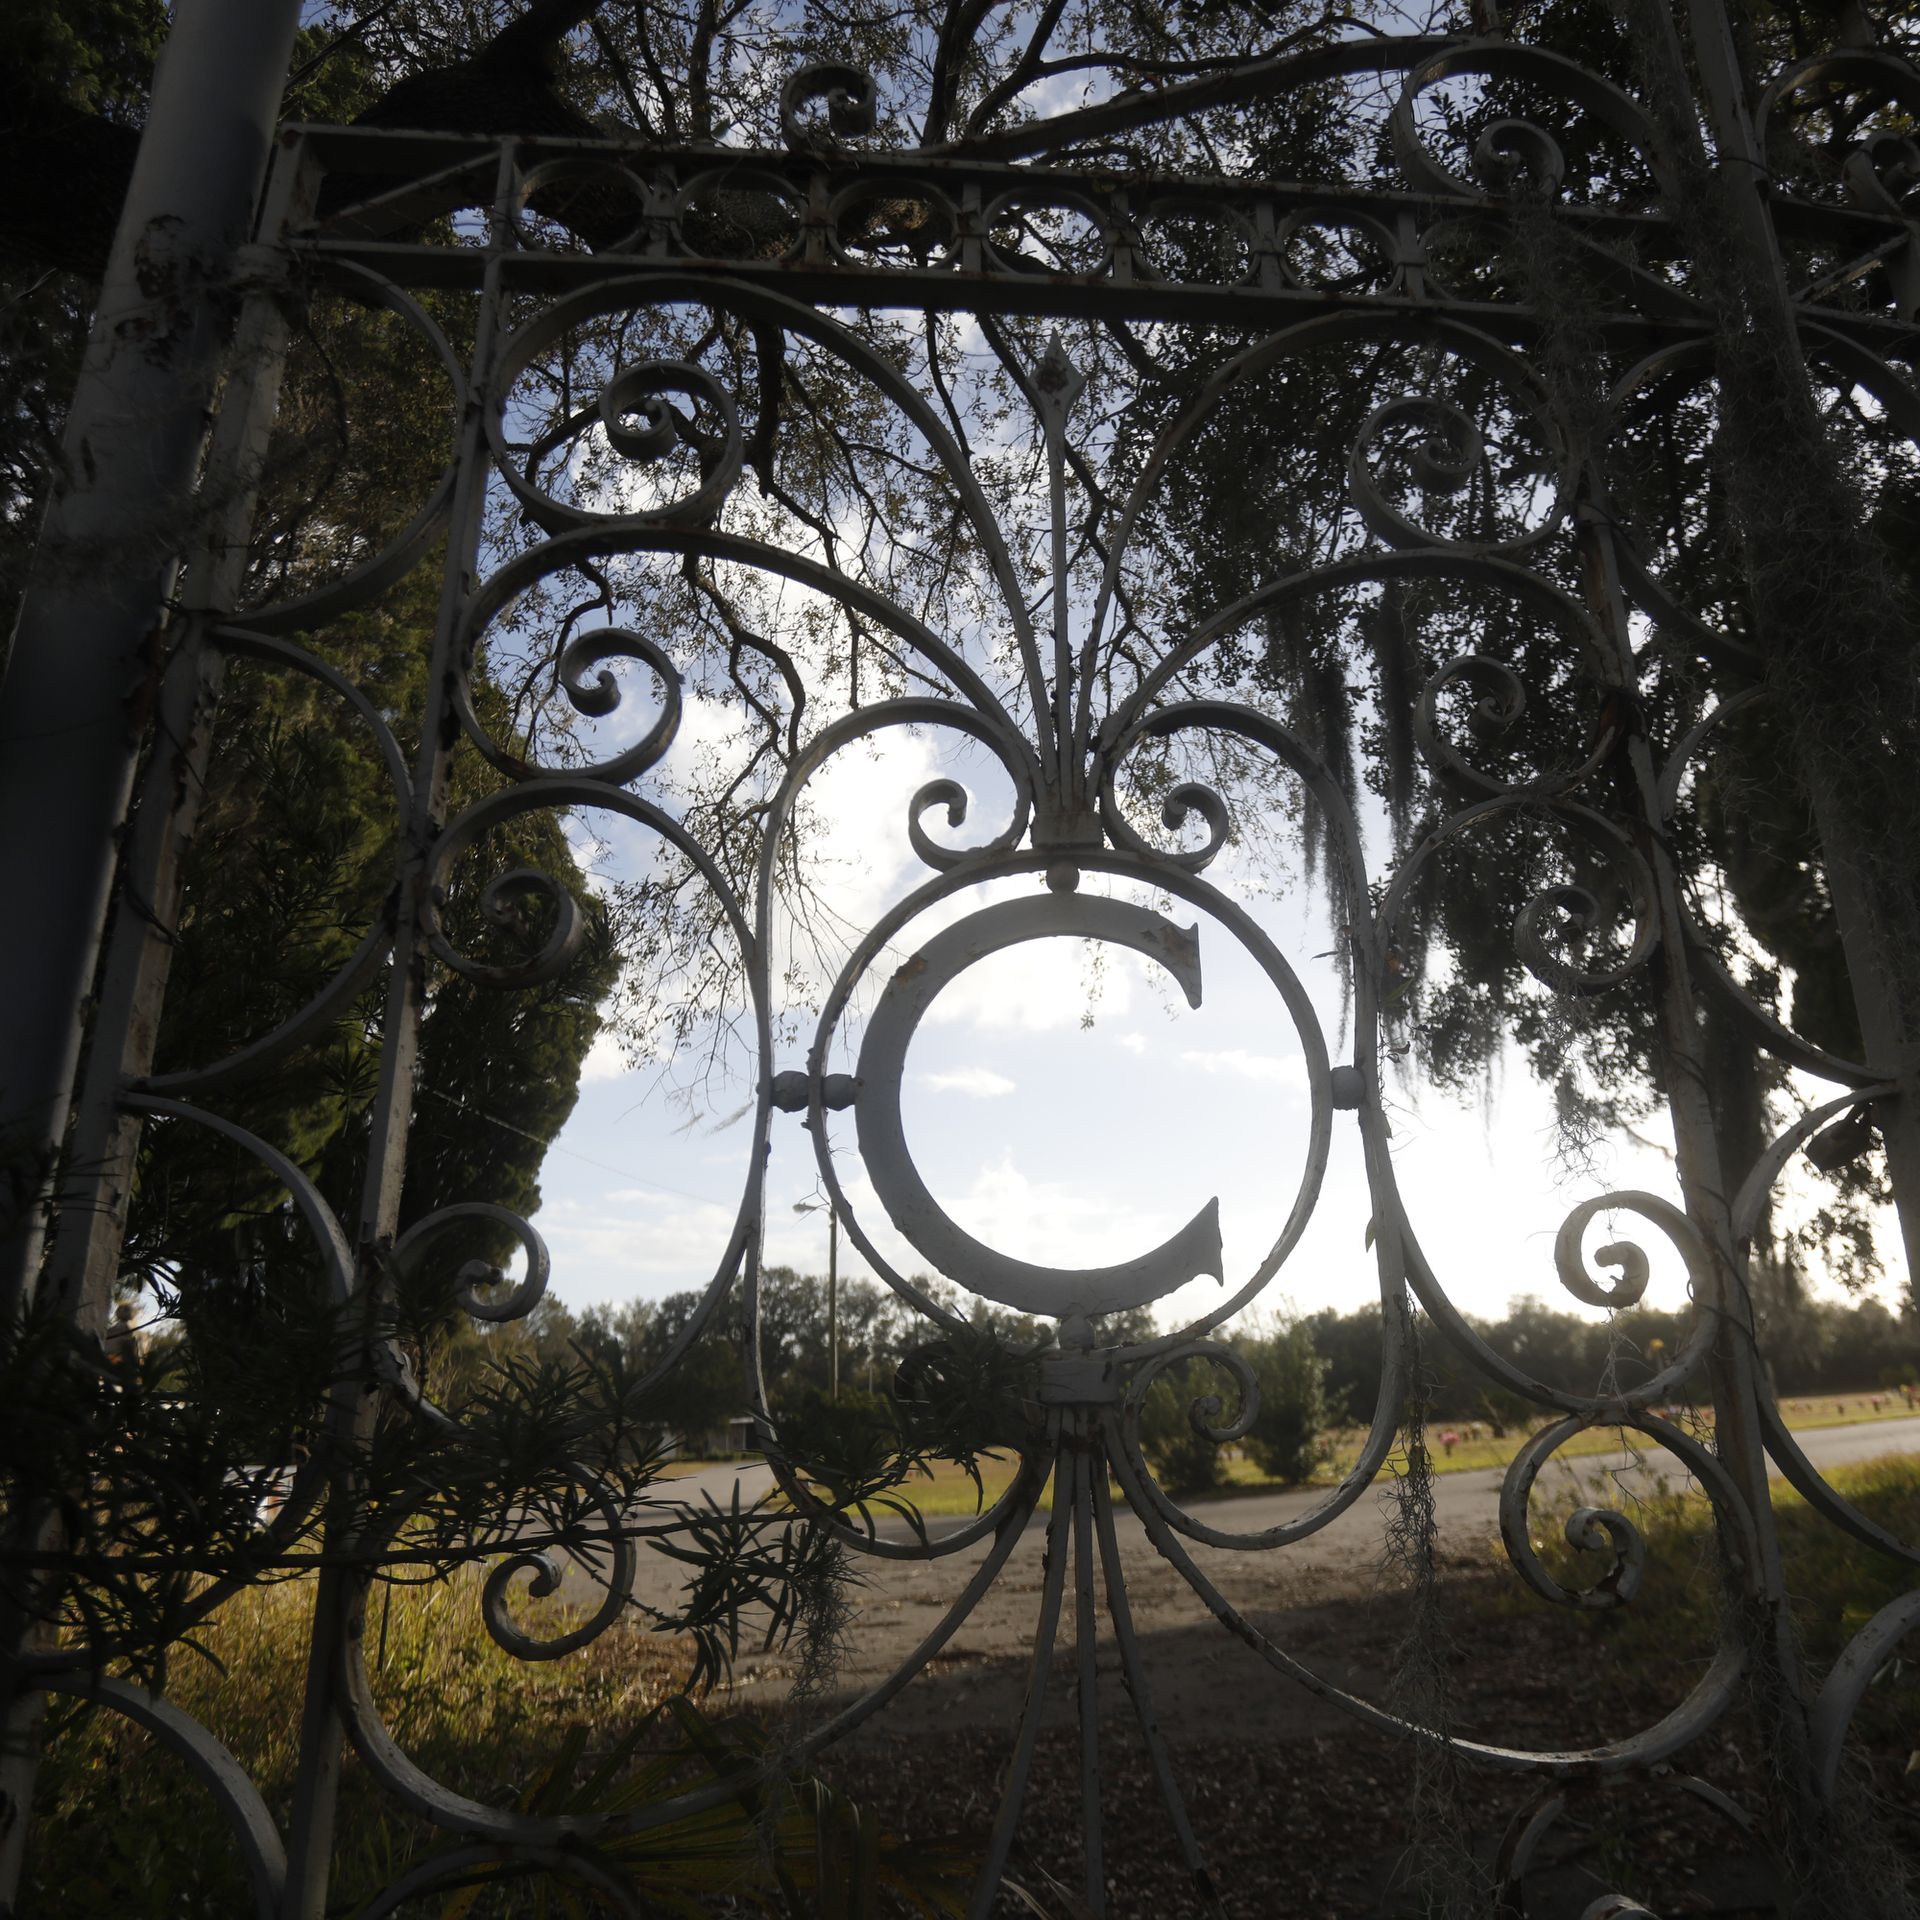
{"type": "Point", "coordinates": [91, 641]}
{"type": "Point", "coordinates": [83, 679]}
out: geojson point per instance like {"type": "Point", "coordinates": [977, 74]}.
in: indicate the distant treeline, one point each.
{"type": "Point", "coordinates": [877, 1331]}
{"type": "Point", "coordinates": [1812, 1346]}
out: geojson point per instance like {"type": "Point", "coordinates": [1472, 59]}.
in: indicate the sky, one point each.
{"type": "Point", "coordinates": [1063, 1109]}
{"type": "Point", "coordinates": [1068, 1114]}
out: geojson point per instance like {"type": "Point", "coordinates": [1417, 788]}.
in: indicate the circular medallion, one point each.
{"type": "Point", "coordinates": [919, 1218]}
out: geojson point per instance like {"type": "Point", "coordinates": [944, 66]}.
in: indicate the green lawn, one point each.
{"type": "Point", "coordinates": [948, 1492]}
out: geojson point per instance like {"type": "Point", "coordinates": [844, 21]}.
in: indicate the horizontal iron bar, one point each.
{"type": "Point", "coordinates": [944, 290]}
{"type": "Point", "coordinates": [433, 166]}
{"type": "Point", "coordinates": [385, 151]}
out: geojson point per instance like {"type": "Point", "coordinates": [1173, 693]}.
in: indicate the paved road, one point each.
{"type": "Point", "coordinates": [1301, 1586]}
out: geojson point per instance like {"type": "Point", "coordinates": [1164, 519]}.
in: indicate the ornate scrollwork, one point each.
{"type": "Point", "coordinates": [1516, 159]}
{"type": "Point", "coordinates": [1602, 1529]}
{"type": "Point", "coordinates": [1498, 710]}
{"type": "Point", "coordinates": [954, 797]}
{"type": "Point", "coordinates": [1445, 450]}
{"type": "Point", "coordinates": [848, 93]}
{"type": "Point", "coordinates": [635, 412]}
{"type": "Point", "coordinates": [769, 247]}
{"type": "Point", "coordinates": [590, 689]}
{"type": "Point", "coordinates": [1624, 1256]}
{"type": "Point", "coordinates": [1510, 157]}
{"type": "Point", "coordinates": [1184, 799]}
{"type": "Point", "coordinates": [1203, 1412]}
{"type": "Point", "coordinates": [616, 1580]}
{"type": "Point", "coordinates": [1191, 796]}
{"type": "Point", "coordinates": [1588, 1530]}
{"type": "Point", "coordinates": [525, 1294]}
{"type": "Point", "coordinates": [1445, 461]}
{"type": "Point", "coordinates": [1580, 910]}
{"type": "Point", "coordinates": [1578, 906]}
{"type": "Point", "coordinates": [500, 905]}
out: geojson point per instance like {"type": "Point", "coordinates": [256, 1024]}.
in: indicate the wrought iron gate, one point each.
{"type": "Point", "coordinates": [1486, 457]}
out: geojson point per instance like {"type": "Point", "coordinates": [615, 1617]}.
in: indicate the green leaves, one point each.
{"type": "Point", "coordinates": [743, 1555]}
{"type": "Point", "coordinates": [780, 1842]}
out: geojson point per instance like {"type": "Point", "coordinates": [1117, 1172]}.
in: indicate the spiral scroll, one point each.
{"type": "Point", "coordinates": [951, 795]}
{"type": "Point", "coordinates": [1510, 157]}
{"type": "Point", "coordinates": [1449, 456]}
{"type": "Point", "coordinates": [1185, 798]}
{"type": "Point", "coordinates": [848, 93]}
{"type": "Point", "coordinates": [499, 906]}
{"type": "Point", "coordinates": [595, 692]}
{"type": "Point", "coordinates": [1601, 1529]}
{"type": "Point", "coordinates": [617, 1582]}
{"type": "Point", "coordinates": [1498, 710]}
{"type": "Point", "coordinates": [525, 1295]}
{"type": "Point", "coordinates": [1203, 1412]}
{"type": "Point", "coordinates": [635, 412]}
{"type": "Point", "coordinates": [1516, 158]}
{"type": "Point", "coordinates": [1589, 1529]}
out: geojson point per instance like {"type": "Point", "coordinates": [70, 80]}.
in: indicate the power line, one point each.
{"type": "Point", "coordinates": [552, 1146]}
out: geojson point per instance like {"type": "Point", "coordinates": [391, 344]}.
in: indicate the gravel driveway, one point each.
{"type": "Point", "coordinates": [899, 1602]}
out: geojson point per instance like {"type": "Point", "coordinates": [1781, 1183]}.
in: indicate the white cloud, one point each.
{"type": "Point", "coordinates": [1133, 1042]}
{"type": "Point", "coordinates": [606, 1060]}
{"type": "Point", "coordinates": [635, 1241]}
{"type": "Point", "coordinates": [1281, 1069]}
{"type": "Point", "coordinates": [1040, 986]}
{"type": "Point", "coordinates": [980, 1083]}
{"type": "Point", "coordinates": [1056, 1224]}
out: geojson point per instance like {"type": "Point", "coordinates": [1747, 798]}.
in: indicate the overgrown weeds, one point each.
{"type": "Point", "coordinates": [120, 1828]}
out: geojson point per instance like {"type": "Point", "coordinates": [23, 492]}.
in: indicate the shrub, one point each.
{"type": "Point", "coordinates": [1284, 1440]}
{"type": "Point", "coordinates": [1184, 1459]}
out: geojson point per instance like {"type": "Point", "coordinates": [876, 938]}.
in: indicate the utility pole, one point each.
{"type": "Point", "coordinates": [833, 1288]}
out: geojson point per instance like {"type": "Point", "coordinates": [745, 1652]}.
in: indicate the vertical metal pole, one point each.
{"type": "Point", "coordinates": [91, 641]}
{"type": "Point", "coordinates": [340, 1592]}
{"type": "Point", "coordinates": [1733, 1363]}
{"type": "Point", "coordinates": [833, 1303]}
{"type": "Point", "coordinates": [1876, 961]}
{"type": "Point", "coordinates": [85, 672]}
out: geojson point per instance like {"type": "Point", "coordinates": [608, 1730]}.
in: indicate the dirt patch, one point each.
{"type": "Point", "coordinates": [1298, 1809]}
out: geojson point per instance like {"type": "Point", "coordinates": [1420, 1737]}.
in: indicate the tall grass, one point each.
{"type": "Point", "coordinates": [121, 1828]}
{"type": "Point", "coordinates": [1835, 1583]}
